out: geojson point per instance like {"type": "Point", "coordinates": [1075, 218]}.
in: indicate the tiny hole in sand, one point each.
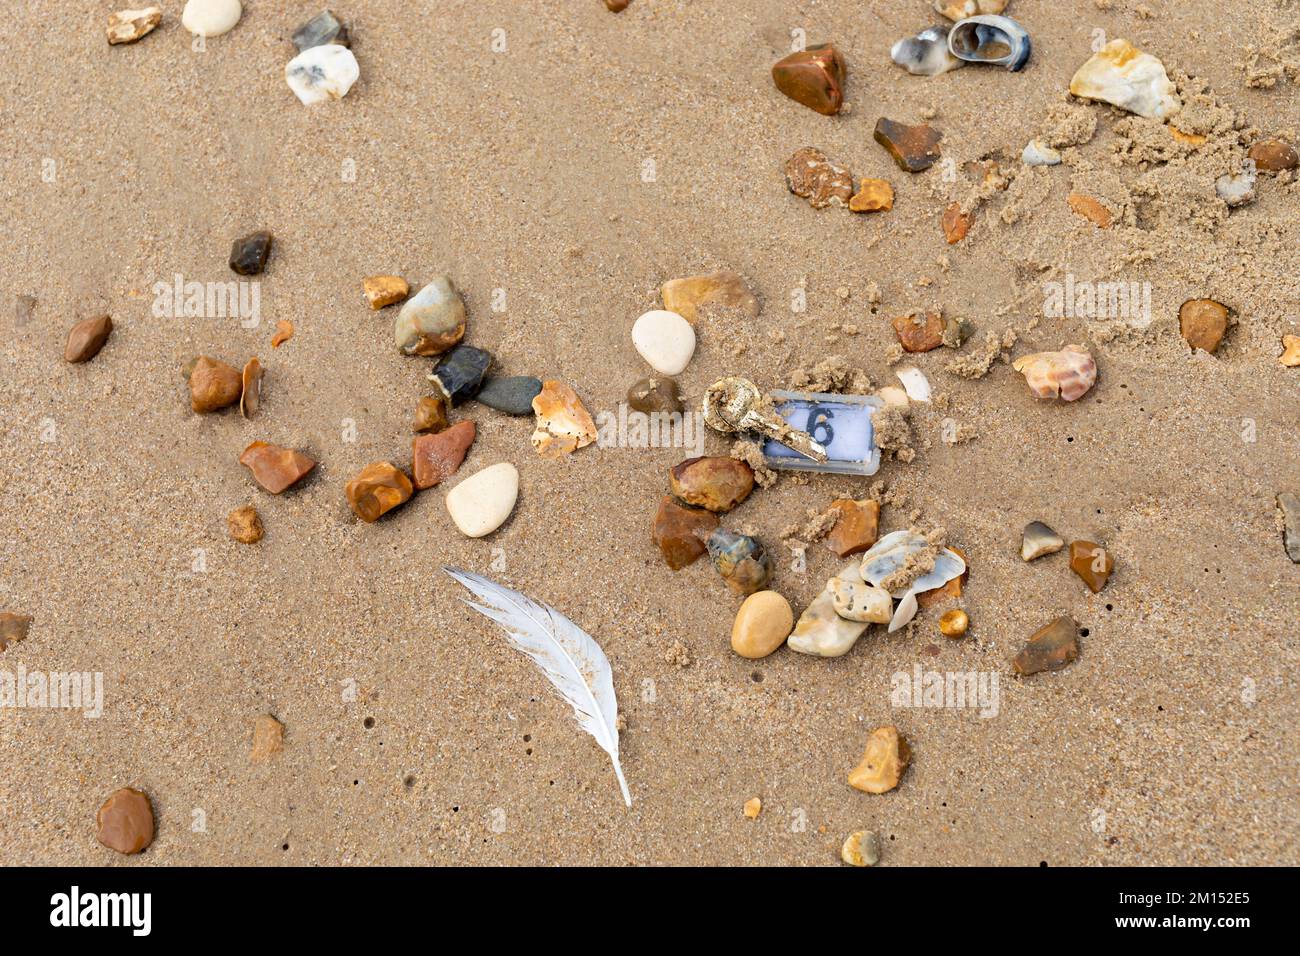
{"type": "Point", "coordinates": [756, 677]}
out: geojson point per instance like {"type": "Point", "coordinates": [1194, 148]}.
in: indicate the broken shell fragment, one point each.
{"type": "Point", "coordinates": [680, 532]}
{"type": "Point", "coordinates": [127, 26]}
{"type": "Point", "coordinates": [1236, 189]}
{"type": "Point", "coordinates": [250, 398]}
{"type": "Point", "coordinates": [1067, 374]}
{"type": "Point", "coordinates": [322, 73]}
{"type": "Point", "coordinates": [925, 54]}
{"type": "Point", "coordinates": [1092, 563]}
{"type": "Point", "coordinates": [563, 423]}
{"type": "Point", "coordinates": [431, 322]}
{"type": "Point", "coordinates": [459, 374]}
{"type": "Point", "coordinates": [915, 384]}
{"type": "Point", "coordinates": [1289, 505]}
{"type": "Point", "coordinates": [742, 561]}
{"type": "Point", "coordinates": [914, 148]}
{"type": "Point", "coordinates": [1049, 649]}
{"type": "Point", "coordinates": [886, 758]}
{"type": "Point", "coordinates": [1122, 75]}
{"type": "Point", "coordinates": [811, 176]}
{"type": "Point", "coordinates": [899, 550]}
{"type": "Point", "coordinates": [856, 600]}
{"type": "Point", "coordinates": [820, 631]}
{"type": "Point", "coordinates": [814, 77]}
{"type": "Point", "coordinates": [1038, 153]}
{"type": "Point", "coordinates": [380, 488]}
{"type": "Point", "coordinates": [961, 9]}
{"type": "Point", "coordinates": [1037, 540]}
{"type": "Point", "coordinates": [274, 468]}
{"type": "Point", "coordinates": [991, 39]}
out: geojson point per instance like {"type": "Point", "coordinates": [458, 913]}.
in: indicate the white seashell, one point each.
{"type": "Point", "coordinates": [1038, 153]}
{"type": "Point", "coordinates": [1124, 76]}
{"type": "Point", "coordinates": [322, 73]}
{"type": "Point", "coordinates": [997, 41]}
{"type": "Point", "coordinates": [1238, 190]}
{"type": "Point", "coordinates": [907, 609]}
{"type": "Point", "coordinates": [925, 54]}
{"type": "Point", "coordinates": [892, 551]}
{"type": "Point", "coordinates": [1067, 374]}
{"type": "Point", "coordinates": [211, 18]}
{"type": "Point", "coordinates": [823, 633]}
{"type": "Point", "coordinates": [915, 383]}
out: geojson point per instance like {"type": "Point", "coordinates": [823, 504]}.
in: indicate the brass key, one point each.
{"type": "Point", "coordinates": [733, 405]}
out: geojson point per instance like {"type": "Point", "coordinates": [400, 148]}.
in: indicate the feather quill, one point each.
{"type": "Point", "coordinates": [571, 660]}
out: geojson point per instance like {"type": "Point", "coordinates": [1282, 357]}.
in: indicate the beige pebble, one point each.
{"type": "Point", "coordinates": [762, 624]}
{"type": "Point", "coordinates": [753, 807]}
{"type": "Point", "coordinates": [268, 738]}
{"type": "Point", "coordinates": [861, 848]}
{"type": "Point", "coordinates": [886, 757]}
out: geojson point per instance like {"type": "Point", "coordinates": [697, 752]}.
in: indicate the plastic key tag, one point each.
{"type": "Point", "coordinates": [842, 423]}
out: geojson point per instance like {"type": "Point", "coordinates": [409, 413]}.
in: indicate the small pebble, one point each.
{"type": "Point", "coordinates": [861, 848]}
{"type": "Point", "coordinates": [1067, 374]}
{"type": "Point", "coordinates": [438, 456]}
{"type": "Point", "coordinates": [379, 488]}
{"type": "Point", "coordinates": [211, 18]}
{"type": "Point", "coordinates": [245, 525]}
{"type": "Point", "coordinates": [1203, 323]}
{"type": "Point", "coordinates": [762, 624]}
{"type": "Point", "coordinates": [13, 628]}
{"type": "Point", "coordinates": [856, 600]}
{"type": "Point", "coordinates": [742, 561]}
{"type": "Point", "coordinates": [1049, 649]}
{"type": "Point", "coordinates": [914, 148]}
{"type": "Point", "coordinates": [86, 339]}
{"type": "Point", "coordinates": [383, 291]}
{"type": "Point", "coordinates": [275, 468]}
{"type": "Point", "coordinates": [1037, 540]}
{"type": "Point", "coordinates": [953, 623]}
{"type": "Point", "coordinates": [856, 527]}
{"type": "Point", "coordinates": [268, 738]}
{"type": "Point", "coordinates": [459, 374]}
{"type": "Point", "coordinates": [319, 30]}
{"type": "Point", "coordinates": [563, 423]}
{"type": "Point", "coordinates": [125, 821]}
{"type": "Point", "coordinates": [482, 502]}
{"type": "Point", "coordinates": [956, 332]}
{"type": "Point", "coordinates": [811, 176]}
{"type": "Point", "coordinates": [1092, 563]}
{"type": "Point", "coordinates": [813, 77]}
{"type": "Point", "coordinates": [655, 394]}
{"type": "Point", "coordinates": [214, 385]}
{"type": "Point", "coordinates": [886, 758]}
{"type": "Point", "coordinates": [283, 333]}
{"type": "Point", "coordinates": [616, 6]}
{"type": "Point", "coordinates": [1289, 505]}
{"type": "Point", "coordinates": [665, 340]}
{"type": "Point", "coordinates": [753, 807]}
{"type": "Point", "coordinates": [718, 484]}
{"type": "Point", "coordinates": [1236, 190]}
{"type": "Point", "coordinates": [680, 532]}
{"type": "Point", "coordinates": [432, 321]}
{"type": "Point", "coordinates": [249, 253]}
{"type": "Point", "coordinates": [1274, 156]}
{"type": "Point", "coordinates": [250, 394]}
{"type": "Point", "coordinates": [322, 73]}
{"type": "Point", "coordinates": [961, 9]}
{"type": "Point", "coordinates": [873, 195]}
{"type": "Point", "coordinates": [820, 630]}
{"type": "Point", "coordinates": [513, 395]}
{"type": "Point", "coordinates": [430, 415]}
{"type": "Point", "coordinates": [955, 223]}
{"type": "Point", "coordinates": [1090, 209]}
{"type": "Point", "coordinates": [127, 26]}
{"type": "Point", "coordinates": [1038, 153]}
{"type": "Point", "coordinates": [920, 332]}
{"type": "Point", "coordinates": [1290, 356]}
{"type": "Point", "coordinates": [722, 291]}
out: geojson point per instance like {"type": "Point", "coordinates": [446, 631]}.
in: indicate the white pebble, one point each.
{"type": "Point", "coordinates": [482, 502]}
{"type": "Point", "coordinates": [322, 73]}
{"type": "Point", "coordinates": [665, 340]}
{"type": "Point", "coordinates": [915, 383]}
{"type": "Point", "coordinates": [1038, 153]}
{"type": "Point", "coordinates": [211, 18]}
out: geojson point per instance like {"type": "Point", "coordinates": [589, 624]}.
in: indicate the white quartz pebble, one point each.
{"type": "Point", "coordinates": [211, 18]}
{"type": "Point", "coordinates": [665, 340]}
{"type": "Point", "coordinates": [1038, 153]}
{"type": "Point", "coordinates": [322, 73]}
{"type": "Point", "coordinates": [482, 502]}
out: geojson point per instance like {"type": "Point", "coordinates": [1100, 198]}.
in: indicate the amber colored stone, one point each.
{"type": "Point", "coordinates": [1203, 323]}
{"type": "Point", "coordinates": [718, 484]}
{"type": "Point", "coordinates": [920, 332]}
{"type": "Point", "coordinates": [813, 77]}
{"type": "Point", "coordinates": [380, 488]}
{"type": "Point", "coordinates": [680, 532]}
{"type": "Point", "coordinates": [430, 415]}
{"type": "Point", "coordinates": [1290, 356]}
{"type": "Point", "coordinates": [13, 628]}
{"type": "Point", "coordinates": [1090, 209]}
{"type": "Point", "coordinates": [655, 394]}
{"type": "Point", "coordinates": [249, 253]}
{"type": "Point", "coordinates": [1050, 648]}
{"type": "Point", "coordinates": [856, 528]}
{"type": "Point", "coordinates": [125, 821]}
{"type": "Point", "coordinates": [245, 525]}
{"type": "Point", "coordinates": [617, 6]}
{"type": "Point", "coordinates": [955, 223]}
{"type": "Point", "coordinates": [1274, 156]}
{"type": "Point", "coordinates": [717, 290]}
{"type": "Point", "coordinates": [283, 333]}
{"type": "Point", "coordinates": [87, 338]}
{"type": "Point", "coordinates": [275, 468]}
{"type": "Point", "coordinates": [886, 758]}
{"type": "Point", "coordinates": [436, 457]}
{"type": "Point", "coordinates": [383, 291]}
{"type": "Point", "coordinates": [1092, 563]}
{"type": "Point", "coordinates": [250, 396]}
{"type": "Point", "coordinates": [873, 195]}
{"type": "Point", "coordinates": [563, 423]}
{"type": "Point", "coordinates": [950, 591]}
{"type": "Point", "coordinates": [811, 176]}
{"type": "Point", "coordinates": [214, 385]}
{"type": "Point", "coordinates": [268, 738]}
{"type": "Point", "coordinates": [914, 148]}
{"type": "Point", "coordinates": [1191, 139]}
{"type": "Point", "coordinates": [954, 623]}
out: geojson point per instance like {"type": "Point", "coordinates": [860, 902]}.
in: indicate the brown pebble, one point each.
{"type": "Point", "coordinates": [275, 468]}
{"type": "Point", "coordinates": [214, 385]}
{"type": "Point", "coordinates": [680, 532]}
{"type": "Point", "coordinates": [1049, 649]}
{"type": "Point", "coordinates": [383, 291]}
{"type": "Point", "coordinates": [718, 484]}
{"type": "Point", "coordinates": [1092, 563]}
{"type": "Point", "coordinates": [886, 758]}
{"type": "Point", "coordinates": [873, 195]}
{"type": "Point", "coordinates": [13, 628]}
{"type": "Point", "coordinates": [249, 253]}
{"type": "Point", "coordinates": [250, 396]}
{"type": "Point", "coordinates": [1203, 323]}
{"type": "Point", "coordinates": [1274, 156]}
{"type": "Point", "coordinates": [245, 525]}
{"type": "Point", "coordinates": [1090, 209]}
{"type": "Point", "coordinates": [953, 623]}
{"type": "Point", "coordinates": [813, 77]}
{"type": "Point", "coordinates": [762, 624]}
{"type": "Point", "coordinates": [920, 332]}
{"type": "Point", "coordinates": [431, 414]}
{"type": "Point", "coordinates": [283, 333]}
{"type": "Point", "coordinates": [617, 6]}
{"type": "Point", "coordinates": [380, 488]}
{"type": "Point", "coordinates": [125, 821]}
{"type": "Point", "coordinates": [1290, 356]}
{"type": "Point", "coordinates": [955, 223]}
{"type": "Point", "coordinates": [127, 26]}
{"type": "Point", "coordinates": [268, 738]}
{"type": "Point", "coordinates": [86, 339]}
{"type": "Point", "coordinates": [856, 527]}
{"type": "Point", "coordinates": [914, 148]}
{"type": "Point", "coordinates": [655, 394]}
{"type": "Point", "coordinates": [811, 176]}
{"type": "Point", "coordinates": [437, 457]}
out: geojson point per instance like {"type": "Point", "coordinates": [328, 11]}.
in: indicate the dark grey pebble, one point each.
{"type": "Point", "coordinates": [513, 395]}
{"type": "Point", "coordinates": [249, 253]}
{"type": "Point", "coordinates": [460, 373]}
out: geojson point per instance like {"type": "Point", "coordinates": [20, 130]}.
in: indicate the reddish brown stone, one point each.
{"type": "Point", "coordinates": [379, 489]}
{"type": "Point", "coordinates": [914, 148]}
{"type": "Point", "coordinates": [1092, 563]}
{"type": "Point", "coordinates": [125, 821]}
{"type": "Point", "coordinates": [813, 77]}
{"type": "Point", "coordinates": [1274, 156]}
{"type": "Point", "coordinates": [955, 223]}
{"type": "Point", "coordinates": [681, 532]}
{"type": "Point", "coordinates": [718, 484]}
{"type": "Point", "coordinates": [617, 6]}
{"type": "Point", "coordinates": [250, 397]}
{"type": "Point", "coordinates": [87, 338]}
{"type": "Point", "coordinates": [13, 628]}
{"type": "Point", "coordinates": [811, 176]}
{"type": "Point", "coordinates": [1203, 323]}
{"type": "Point", "coordinates": [244, 525]}
{"type": "Point", "coordinates": [1091, 209]}
{"type": "Point", "coordinates": [438, 456]}
{"type": "Point", "coordinates": [920, 332]}
{"type": "Point", "coordinates": [856, 528]}
{"type": "Point", "coordinates": [213, 385]}
{"type": "Point", "coordinates": [1050, 649]}
{"type": "Point", "coordinates": [275, 468]}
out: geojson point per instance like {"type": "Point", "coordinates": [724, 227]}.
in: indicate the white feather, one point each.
{"type": "Point", "coordinates": [571, 660]}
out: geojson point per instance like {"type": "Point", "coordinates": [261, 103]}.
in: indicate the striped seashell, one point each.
{"type": "Point", "coordinates": [1067, 374]}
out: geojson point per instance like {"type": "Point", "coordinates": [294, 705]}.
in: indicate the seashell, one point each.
{"type": "Point", "coordinates": [999, 41]}
{"type": "Point", "coordinates": [1067, 374]}
{"type": "Point", "coordinates": [1122, 75]}
{"type": "Point", "coordinates": [961, 9]}
{"type": "Point", "coordinates": [742, 561]}
{"type": "Point", "coordinates": [891, 553]}
{"type": "Point", "coordinates": [915, 384]}
{"type": "Point", "coordinates": [1038, 153]}
{"type": "Point", "coordinates": [1237, 190]}
{"type": "Point", "coordinates": [925, 54]}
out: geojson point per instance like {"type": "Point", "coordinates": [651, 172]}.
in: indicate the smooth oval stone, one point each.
{"type": "Point", "coordinates": [87, 338]}
{"type": "Point", "coordinates": [652, 394]}
{"type": "Point", "coordinates": [431, 321]}
{"type": "Point", "coordinates": [665, 340]}
{"type": "Point", "coordinates": [1203, 323]}
{"type": "Point", "coordinates": [319, 30]}
{"type": "Point", "coordinates": [249, 253]}
{"type": "Point", "coordinates": [742, 560]}
{"type": "Point", "coordinates": [460, 373]}
{"type": "Point", "coordinates": [762, 624]}
{"type": "Point", "coordinates": [125, 821]}
{"type": "Point", "coordinates": [211, 18]}
{"type": "Point", "coordinates": [1274, 156]}
{"type": "Point", "coordinates": [513, 395]}
{"type": "Point", "coordinates": [322, 73]}
{"type": "Point", "coordinates": [482, 502]}
{"type": "Point", "coordinates": [716, 483]}
{"type": "Point", "coordinates": [813, 77]}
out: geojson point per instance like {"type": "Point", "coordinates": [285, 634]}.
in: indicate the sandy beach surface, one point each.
{"type": "Point", "coordinates": [576, 161]}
